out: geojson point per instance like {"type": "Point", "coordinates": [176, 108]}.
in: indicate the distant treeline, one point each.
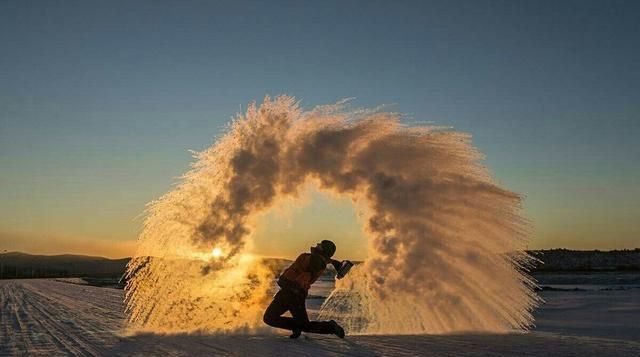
{"type": "Point", "coordinates": [586, 260]}
{"type": "Point", "coordinates": [20, 265]}
{"type": "Point", "coordinates": [17, 265]}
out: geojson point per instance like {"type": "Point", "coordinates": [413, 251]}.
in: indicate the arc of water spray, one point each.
{"type": "Point", "coordinates": [446, 244]}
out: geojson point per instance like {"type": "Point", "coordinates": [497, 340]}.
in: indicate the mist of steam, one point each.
{"type": "Point", "coordinates": [445, 243]}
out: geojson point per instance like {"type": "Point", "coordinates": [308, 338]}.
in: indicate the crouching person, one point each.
{"type": "Point", "coordinates": [294, 284]}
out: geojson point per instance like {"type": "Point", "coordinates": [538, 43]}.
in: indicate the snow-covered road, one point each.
{"type": "Point", "coordinates": [45, 317]}
{"type": "Point", "coordinates": [48, 317]}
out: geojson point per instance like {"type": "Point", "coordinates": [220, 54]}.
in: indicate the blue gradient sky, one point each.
{"type": "Point", "coordinates": [100, 102]}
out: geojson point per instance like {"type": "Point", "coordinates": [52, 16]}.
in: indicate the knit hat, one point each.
{"type": "Point", "coordinates": [328, 248]}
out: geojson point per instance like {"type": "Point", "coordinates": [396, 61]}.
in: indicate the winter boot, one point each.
{"type": "Point", "coordinates": [337, 329]}
{"type": "Point", "coordinates": [295, 333]}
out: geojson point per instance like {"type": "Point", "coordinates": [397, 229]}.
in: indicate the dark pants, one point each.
{"type": "Point", "coordinates": [286, 300]}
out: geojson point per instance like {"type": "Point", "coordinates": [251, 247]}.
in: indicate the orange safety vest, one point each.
{"type": "Point", "coordinates": [302, 273]}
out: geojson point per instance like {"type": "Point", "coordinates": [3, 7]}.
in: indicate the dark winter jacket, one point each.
{"type": "Point", "coordinates": [303, 272]}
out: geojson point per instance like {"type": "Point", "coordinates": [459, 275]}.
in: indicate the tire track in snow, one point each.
{"type": "Point", "coordinates": [59, 333]}
{"type": "Point", "coordinates": [49, 318]}
{"type": "Point", "coordinates": [42, 317]}
{"type": "Point", "coordinates": [95, 319]}
{"type": "Point", "coordinates": [10, 324]}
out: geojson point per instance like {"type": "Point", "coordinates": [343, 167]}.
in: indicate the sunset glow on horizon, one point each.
{"type": "Point", "coordinates": [102, 106]}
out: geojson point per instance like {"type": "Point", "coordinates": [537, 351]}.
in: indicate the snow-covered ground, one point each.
{"type": "Point", "coordinates": [46, 317]}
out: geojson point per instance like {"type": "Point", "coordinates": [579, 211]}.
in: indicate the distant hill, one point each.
{"type": "Point", "coordinates": [550, 260]}
{"type": "Point", "coordinates": [22, 265]}
{"type": "Point", "coordinates": [16, 265]}
{"type": "Point", "coordinates": [586, 260]}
